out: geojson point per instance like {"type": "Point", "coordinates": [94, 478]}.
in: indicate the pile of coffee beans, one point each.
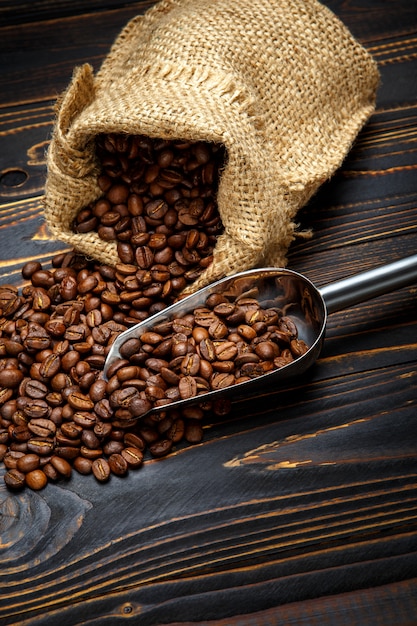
{"type": "Point", "coordinates": [57, 413]}
{"type": "Point", "coordinates": [226, 342]}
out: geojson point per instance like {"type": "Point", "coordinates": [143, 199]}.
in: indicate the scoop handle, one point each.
{"type": "Point", "coordinates": [370, 284]}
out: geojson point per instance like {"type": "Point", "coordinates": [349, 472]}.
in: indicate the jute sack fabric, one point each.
{"type": "Point", "coordinates": [281, 83]}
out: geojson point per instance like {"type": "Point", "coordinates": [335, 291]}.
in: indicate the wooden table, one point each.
{"type": "Point", "coordinates": [298, 508]}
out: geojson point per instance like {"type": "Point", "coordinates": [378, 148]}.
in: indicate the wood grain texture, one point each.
{"type": "Point", "coordinates": [299, 507]}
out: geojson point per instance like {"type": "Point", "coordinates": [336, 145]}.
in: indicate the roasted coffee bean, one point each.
{"type": "Point", "coordinates": [83, 419]}
{"type": "Point", "coordinates": [218, 329]}
{"type": "Point", "coordinates": [176, 431]}
{"type": "Point", "coordinates": [61, 466]}
{"type": "Point", "coordinates": [122, 398]}
{"type": "Point", "coordinates": [208, 350]}
{"type": "Point", "coordinates": [67, 452]}
{"type": "Point", "coordinates": [298, 347]}
{"type": "Point", "coordinates": [14, 479]}
{"type": "Point", "coordinates": [190, 365]}
{"type": "Point", "coordinates": [112, 447]}
{"type": "Point", "coordinates": [267, 350]}
{"type": "Point", "coordinates": [118, 194]}
{"type": "Point", "coordinates": [252, 370]}
{"type": "Point", "coordinates": [63, 440]}
{"type": "Point", "coordinates": [102, 430]}
{"type": "Point", "coordinates": [68, 288]}
{"type": "Point", "coordinates": [41, 447]}
{"type": "Point", "coordinates": [11, 378]}
{"type": "Point", "coordinates": [69, 360]}
{"type": "Point", "coordinates": [133, 440]}
{"type": "Point", "coordinates": [179, 348]}
{"type": "Point", "coordinates": [246, 357]}
{"type": "Point", "coordinates": [223, 366]}
{"type": "Point", "coordinates": [164, 348]}
{"type": "Point", "coordinates": [144, 257]}
{"type": "Point", "coordinates": [170, 376]}
{"type": "Point", "coordinates": [247, 332]}
{"type": "Point", "coordinates": [287, 325]}
{"type": "Point", "coordinates": [89, 283]}
{"type": "Point", "coordinates": [101, 469]}
{"type": "Point", "coordinates": [133, 456]}
{"type": "Point", "coordinates": [135, 204]}
{"type": "Point", "coordinates": [90, 439]}
{"type": "Point", "coordinates": [94, 318]}
{"type": "Point", "coordinates": [36, 479]}
{"type": "Point", "coordinates": [221, 380]}
{"type": "Point", "coordinates": [139, 406]}
{"type": "Point", "coordinates": [97, 390]}
{"type": "Point", "coordinates": [193, 431]}
{"type": "Point", "coordinates": [83, 465]}
{"type": "Point", "coordinates": [80, 402]}
{"type": "Point", "coordinates": [118, 464]}
{"type": "Point", "coordinates": [11, 458]}
{"type": "Point", "coordinates": [115, 366]}
{"type": "Point", "coordinates": [226, 351]}
{"type": "Point", "coordinates": [5, 394]}
{"type": "Point", "coordinates": [42, 427]}
{"type": "Point", "coordinates": [187, 387]}
{"type": "Point", "coordinates": [30, 268]}
{"type": "Point", "coordinates": [155, 365]}
{"type": "Point", "coordinates": [206, 369]}
{"type": "Point", "coordinates": [161, 447]}
{"type": "Point", "coordinates": [28, 462]}
{"type": "Point", "coordinates": [35, 389]}
{"type": "Point", "coordinates": [86, 381]}
{"type": "Point", "coordinates": [156, 209]}
{"type": "Point", "coordinates": [103, 410]}
{"type": "Point", "coordinates": [42, 278]}
{"type": "Point", "coordinates": [50, 472]}
{"type": "Point", "coordinates": [41, 300]}
{"type": "Point", "coordinates": [154, 393]}
{"type": "Point", "coordinates": [9, 347]}
{"type": "Point", "coordinates": [71, 430]}
{"type": "Point", "coordinates": [19, 434]}
{"type": "Point", "coordinates": [149, 434]}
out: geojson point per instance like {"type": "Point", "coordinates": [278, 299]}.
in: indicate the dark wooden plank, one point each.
{"type": "Point", "coordinates": [24, 11]}
{"type": "Point", "coordinates": [24, 134]}
{"type": "Point", "coordinates": [38, 58]}
{"type": "Point", "coordinates": [375, 21]}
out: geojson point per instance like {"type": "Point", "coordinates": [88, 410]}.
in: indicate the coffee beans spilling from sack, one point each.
{"type": "Point", "coordinates": [159, 205]}
{"type": "Point", "coordinates": [57, 411]}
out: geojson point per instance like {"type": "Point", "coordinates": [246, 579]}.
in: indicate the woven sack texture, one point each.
{"type": "Point", "coordinates": [281, 83]}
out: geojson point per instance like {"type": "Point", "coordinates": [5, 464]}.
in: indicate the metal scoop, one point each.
{"type": "Point", "coordinates": [290, 291]}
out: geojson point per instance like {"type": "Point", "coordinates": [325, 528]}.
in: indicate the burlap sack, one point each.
{"type": "Point", "coordinates": [281, 83]}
